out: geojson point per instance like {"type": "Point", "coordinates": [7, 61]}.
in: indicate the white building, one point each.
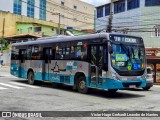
{"type": "Point", "coordinates": [136, 17]}
{"type": "Point", "coordinates": [29, 8]}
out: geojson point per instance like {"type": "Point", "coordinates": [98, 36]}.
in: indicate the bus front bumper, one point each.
{"type": "Point", "coordinates": [123, 84]}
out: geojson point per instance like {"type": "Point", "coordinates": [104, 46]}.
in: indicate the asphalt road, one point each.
{"type": "Point", "coordinates": [17, 95]}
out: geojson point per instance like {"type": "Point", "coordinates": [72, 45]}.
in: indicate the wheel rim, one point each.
{"type": "Point", "coordinates": [31, 77]}
{"type": "Point", "coordinates": [82, 85]}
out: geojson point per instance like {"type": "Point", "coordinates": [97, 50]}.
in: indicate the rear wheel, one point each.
{"type": "Point", "coordinates": [81, 85]}
{"type": "Point", "coordinates": [31, 80]}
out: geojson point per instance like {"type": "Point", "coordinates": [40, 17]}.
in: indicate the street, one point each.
{"type": "Point", "coordinates": [17, 95]}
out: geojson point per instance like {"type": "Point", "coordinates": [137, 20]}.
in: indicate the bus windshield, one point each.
{"type": "Point", "coordinates": [128, 57]}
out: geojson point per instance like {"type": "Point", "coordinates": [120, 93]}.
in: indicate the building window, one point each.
{"type": "Point", "coordinates": [30, 8]}
{"type": "Point", "coordinates": [17, 8]}
{"type": "Point", "coordinates": [100, 12]}
{"type": "Point", "coordinates": [152, 2]}
{"type": "Point", "coordinates": [62, 3]}
{"type": "Point", "coordinates": [131, 4]}
{"type": "Point", "coordinates": [156, 31]}
{"type": "Point", "coordinates": [42, 10]}
{"type": "Point", "coordinates": [75, 7]}
{"type": "Point", "coordinates": [75, 19]}
{"type": "Point", "coordinates": [107, 10]}
{"type": "Point", "coordinates": [119, 6]}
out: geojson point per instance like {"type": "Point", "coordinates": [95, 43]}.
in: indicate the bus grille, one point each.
{"type": "Point", "coordinates": [137, 84]}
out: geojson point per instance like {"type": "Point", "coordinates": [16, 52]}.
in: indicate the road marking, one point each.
{"type": "Point", "coordinates": [8, 85]}
{"type": "Point", "coordinates": [26, 85]}
{"type": "Point", "coordinates": [2, 88]}
{"type": "Point", "coordinates": [156, 85]}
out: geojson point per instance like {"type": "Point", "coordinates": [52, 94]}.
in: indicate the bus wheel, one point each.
{"type": "Point", "coordinates": [81, 85]}
{"type": "Point", "coordinates": [112, 90]}
{"type": "Point", "coordinates": [31, 78]}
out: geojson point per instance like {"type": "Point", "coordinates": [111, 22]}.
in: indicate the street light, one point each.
{"type": "Point", "coordinates": [59, 23]}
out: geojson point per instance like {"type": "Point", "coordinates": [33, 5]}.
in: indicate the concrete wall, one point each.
{"type": "Point", "coordinates": [12, 19]}
{"type": "Point", "coordinates": [84, 13]}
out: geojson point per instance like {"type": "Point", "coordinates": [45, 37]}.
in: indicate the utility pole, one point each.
{"type": "Point", "coordinates": [109, 26]}
{"type": "Point", "coordinates": [59, 24]}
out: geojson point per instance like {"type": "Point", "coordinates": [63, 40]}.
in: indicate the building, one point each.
{"type": "Point", "coordinates": [70, 14]}
{"type": "Point", "coordinates": [74, 14]}
{"type": "Point", "coordinates": [135, 17]}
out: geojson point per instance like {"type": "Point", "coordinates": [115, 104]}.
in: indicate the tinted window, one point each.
{"type": "Point", "coordinates": [119, 6]}
{"type": "Point", "coordinates": [14, 53]}
{"type": "Point", "coordinates": [107, 10]}
{"type": "Point", "coordinates": [133, 4]}
{"type": "Point", "coordinates": [100, 12]}
{"type": "Point", "coordinates": [152, 2]}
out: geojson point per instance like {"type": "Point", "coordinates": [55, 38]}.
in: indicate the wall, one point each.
{"type": "Point", "coordinates": [12, 19]}
{"type": "Point", "coordinates": [84, 13]}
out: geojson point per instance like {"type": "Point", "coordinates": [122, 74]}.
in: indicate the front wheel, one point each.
{"type": "Point", "coordinates": [81, 85]}
{"type": "Point", "coordinates": [146, 88]}
{"type": "Point", "coordinates": [112, 90]}
{"type": "Point", "coordinates": [30, 76]}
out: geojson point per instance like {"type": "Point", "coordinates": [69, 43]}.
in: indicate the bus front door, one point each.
{"type": "Point", "coordinates": [47, 54]}
{"type": "Point", "coordinates": [96, 60]}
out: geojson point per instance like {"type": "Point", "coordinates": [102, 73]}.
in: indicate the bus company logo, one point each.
{"type": "Point", "coordinates": [6, 114]}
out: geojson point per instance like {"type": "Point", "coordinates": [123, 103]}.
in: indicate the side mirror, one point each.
{"type": "Point", "coordinates": [110, 49]}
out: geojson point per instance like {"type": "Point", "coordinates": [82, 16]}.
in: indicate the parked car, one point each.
{"type": "Point", "coordinates": [149, 82]}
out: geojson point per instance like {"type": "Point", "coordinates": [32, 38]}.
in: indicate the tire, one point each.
{"type": "Point", "coordinates": [30, 77]}
{"type": "Point", "coordinates": [146, 88]}
{"type": "Point", "coordinates": [112, 90]}
{"type": "Point", "coordinates": [81, 85]}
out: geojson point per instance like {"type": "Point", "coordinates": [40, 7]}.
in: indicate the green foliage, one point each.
{"type": "Point", "coordinates": [4, 43]}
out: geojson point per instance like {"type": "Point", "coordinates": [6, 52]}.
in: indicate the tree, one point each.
{"type": "Point", "coordinates": [4, 44]}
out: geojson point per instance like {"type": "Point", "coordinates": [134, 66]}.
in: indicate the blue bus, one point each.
{"type": "Point", "coordinates": [106, 61]}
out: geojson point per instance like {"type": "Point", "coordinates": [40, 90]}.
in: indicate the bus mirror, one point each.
{"type": "Point", "coordinates": [110, 49]}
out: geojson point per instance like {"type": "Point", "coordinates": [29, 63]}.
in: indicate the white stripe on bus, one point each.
{"type": "Point", "coordinates": [26, 85]}
{"type": "Point", "coordinates": [8, 85]}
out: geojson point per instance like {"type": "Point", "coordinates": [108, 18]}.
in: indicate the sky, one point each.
{"type": "Point", "coordinates": [96, 2]}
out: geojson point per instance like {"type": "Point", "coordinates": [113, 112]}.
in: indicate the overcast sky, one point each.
{"type": "Point", "coordinates": [96, 2]}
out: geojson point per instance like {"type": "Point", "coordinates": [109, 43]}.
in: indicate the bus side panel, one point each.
{"type": "Point", "coordinates": [61, 71]}
{"type": "Point", "coordinates": [14, 68]}
{"type": "Point", "coordinates": [36, 66]}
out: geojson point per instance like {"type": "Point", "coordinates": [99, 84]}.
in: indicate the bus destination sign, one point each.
{"type": "Point", "coordinates": [125, 39]}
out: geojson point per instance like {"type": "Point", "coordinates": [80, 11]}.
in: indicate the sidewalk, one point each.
{"type": "Point", "coordinates": [5, 71]}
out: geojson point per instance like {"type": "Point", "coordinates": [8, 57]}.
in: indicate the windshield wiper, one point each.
{"type": "Point", "coordinates": [126, 51]}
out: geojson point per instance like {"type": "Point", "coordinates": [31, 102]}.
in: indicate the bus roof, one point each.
{"type": "Point", "coordinates": [56, 39]}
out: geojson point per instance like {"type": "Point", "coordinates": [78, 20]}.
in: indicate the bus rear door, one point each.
{"type": "Point", "coordinates": [22, 55]}
{"type": "Point", "coordinates": [47, 56]}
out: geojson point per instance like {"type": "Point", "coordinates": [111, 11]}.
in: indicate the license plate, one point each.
{"type": "Point", "coordinates": [132, 86]}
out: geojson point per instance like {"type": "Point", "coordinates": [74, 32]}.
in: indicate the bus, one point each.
{"type": "Point", "coordinates": [107, 61]}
